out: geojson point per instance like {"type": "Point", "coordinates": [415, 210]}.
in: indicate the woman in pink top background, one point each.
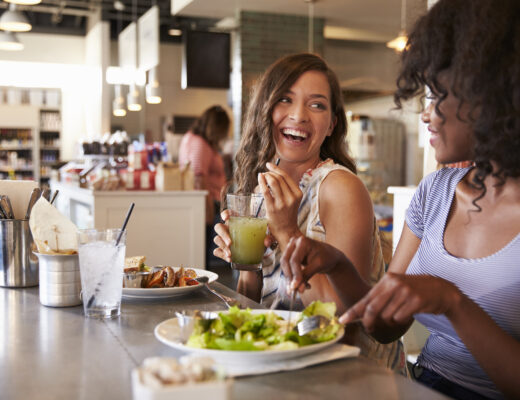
{"type": "Point", "coordinates": [200, 148]}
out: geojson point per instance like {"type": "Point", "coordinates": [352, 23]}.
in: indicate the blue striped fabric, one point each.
{"type": "Point", "coordinates": [492, 282]}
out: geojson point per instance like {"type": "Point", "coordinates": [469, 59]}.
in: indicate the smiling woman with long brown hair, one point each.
{"type": "Point", "coordinates": [296, 116]}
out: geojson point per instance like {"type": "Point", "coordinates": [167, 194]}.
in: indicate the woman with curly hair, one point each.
{"type": "Point", "coordinates": [296, 115]}
{"type": "Point", "coordinates": [456, 266]}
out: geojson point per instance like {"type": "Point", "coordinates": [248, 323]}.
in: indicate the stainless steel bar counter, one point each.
{"type": "Point", "coordinates": [57, 353]}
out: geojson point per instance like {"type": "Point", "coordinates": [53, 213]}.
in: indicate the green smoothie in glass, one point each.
{"type": "Point", "coordinates": [247, 228]}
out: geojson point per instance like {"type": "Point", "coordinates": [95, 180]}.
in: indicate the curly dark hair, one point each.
{"type": "Point", "coordinates": [478, 42]}
{"type": "Point", "coordinates": [212, 125]}
{"type": "Point", "coordinates": [257, 144]}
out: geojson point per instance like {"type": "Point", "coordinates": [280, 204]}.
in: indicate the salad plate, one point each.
{"type": "Point", "coordinates": [154, 293]}
{"type": "Point", "coordinates": [169, 332]}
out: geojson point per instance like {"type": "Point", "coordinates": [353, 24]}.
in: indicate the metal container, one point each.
{"type": "Point", "coordinates": [60, 280]}
{"type": "Point", "coordinates": [18, 264]}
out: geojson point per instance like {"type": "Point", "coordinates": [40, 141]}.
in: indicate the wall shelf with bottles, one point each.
{"type": "Point", "coordinates": [50, 128]}
{"type": "Point", "coordinates": [16, 153]}
{"type": "Point", "coordinates": [30, 133]}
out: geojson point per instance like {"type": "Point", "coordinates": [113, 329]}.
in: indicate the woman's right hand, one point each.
{"type": "Point", "coordinates": [304, 257]}
{"type": "Point", "coordinates": [223, 239]}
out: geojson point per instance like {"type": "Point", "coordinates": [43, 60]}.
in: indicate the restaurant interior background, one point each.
{"type": "Point", "coordinates": [58, 92]}
{"type": "Point", "coordinates": [72, 43]}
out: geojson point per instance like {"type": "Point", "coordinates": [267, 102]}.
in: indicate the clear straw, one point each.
{"type": "Point", "coordinates": [262, 200]}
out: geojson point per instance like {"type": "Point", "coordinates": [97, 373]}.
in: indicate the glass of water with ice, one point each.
{"type": "Point", "coordinates": [101, 265]}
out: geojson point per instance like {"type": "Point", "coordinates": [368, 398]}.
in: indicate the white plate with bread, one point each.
{"type": "Point", "coordinates": [141, 281]}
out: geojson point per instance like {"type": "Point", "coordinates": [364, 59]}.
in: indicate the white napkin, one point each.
{"type": "Point", "coordinates": [334, 352]}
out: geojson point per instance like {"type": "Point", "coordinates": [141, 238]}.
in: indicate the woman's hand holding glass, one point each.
{"type": "Point", "coordinates": [223, 238]}
{"type": "Point", "coordinates": [282, 198]}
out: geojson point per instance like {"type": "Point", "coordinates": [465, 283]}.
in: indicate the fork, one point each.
{"type": "Point", "coordinates": [227, 300]}
{"type": "Point", "coordinates": [308, 324]}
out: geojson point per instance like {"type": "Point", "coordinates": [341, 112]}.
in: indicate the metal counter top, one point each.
{"type": "Point", "coordinates": [57, 353]}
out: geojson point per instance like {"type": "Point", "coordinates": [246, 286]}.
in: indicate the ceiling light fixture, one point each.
{"type": "Point", "coordinates": [310, 38]}
{"type": "Point", "coordinates": [399, 43]}
{"type": "Point", "coordinates": [13, 20]}
{"type": "Point", "coordinates": [9, 41]}
{"type": "Point", "coordinates": [118, 106]}
{"type": "Point", "coordinates": [153, 91]}
{"type": "Point", "coordinates": [133, 99]}
{"type": "Point", "coordinates": [174, 32]}
{"type": "Point", "coordinates": [24, 2]}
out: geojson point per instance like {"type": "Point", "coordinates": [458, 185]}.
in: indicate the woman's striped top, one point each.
{"type": "Point", "coordinates": [492, 282]}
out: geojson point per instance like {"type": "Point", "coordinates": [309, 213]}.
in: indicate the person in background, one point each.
{"type": "Point", "coordinates": [296, 115]}
{"type": "Point", "coordinates": [456, 266]}
{"type": "Point", "coordinates": [200, 148]}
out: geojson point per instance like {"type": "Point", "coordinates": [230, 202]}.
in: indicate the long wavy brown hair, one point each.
{"type": "Point", "coordinates": [478, 43]}
{"type": "Point", "coordinates": [212, 126]}
{"type": "Point", "coordinates": [257, 143]}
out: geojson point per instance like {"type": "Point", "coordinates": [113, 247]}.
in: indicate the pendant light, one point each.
{"type": "Point", "coordinates": [9, 41]}
{"type": "Point", "coordinates": [399, 43]}
{"type": "Point", "coordinates": [133, 99]}
{"type": "Point", "coordinates": [310, 38]}
{"type": "Point", "coordinates": [118, 106]}
{"type": "Point", "coordinates": [14, 21]}
{"type": "Point", "coordinates": [153, 91]}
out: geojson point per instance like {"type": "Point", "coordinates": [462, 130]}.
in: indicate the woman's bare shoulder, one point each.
{"type": "Point", "coordinates": [340, 184]}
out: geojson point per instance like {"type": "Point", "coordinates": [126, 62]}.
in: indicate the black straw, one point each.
{"type": "Point", "coordinates": [262, 200]}
{"type": "Point", "coordinates": [126, 222]}
{"type": "Point", "coordinates": [93, 297]}
{"type": "Point", "coordinates": [54, 196]}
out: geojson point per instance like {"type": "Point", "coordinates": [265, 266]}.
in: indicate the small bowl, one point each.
{"type": "Point", "coordinates": [215, 389]}
{"type": "Point", "coordinates": [135, 280]}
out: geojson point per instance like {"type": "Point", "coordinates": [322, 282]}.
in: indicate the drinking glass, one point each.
{"type": "Point", "coordinates": [247, 228]}
{"type": "Point", "coordinates": [101, 265]}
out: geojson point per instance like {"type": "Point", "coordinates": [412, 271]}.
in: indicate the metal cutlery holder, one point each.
{"type": "Point", "coordinates": [60, 280]}
{"type": "Point", "coordinates": [18, 264]}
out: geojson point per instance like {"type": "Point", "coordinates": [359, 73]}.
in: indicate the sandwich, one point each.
{"type": "Point", "coordinates": [135, 264]}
